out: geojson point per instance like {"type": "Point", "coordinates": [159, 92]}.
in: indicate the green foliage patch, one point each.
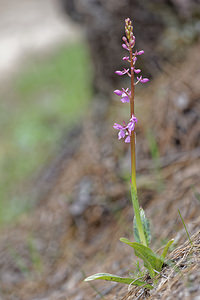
{"type": "Point", "coordinates": [36, 110]}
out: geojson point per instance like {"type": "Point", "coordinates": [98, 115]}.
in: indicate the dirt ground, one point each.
{"type": "Point", "coordinates": [84, 201]}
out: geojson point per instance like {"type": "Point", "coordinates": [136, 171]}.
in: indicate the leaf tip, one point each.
{"type": "Point", "coordinates": [87, 279]}
{"type": "Point", "coordinates": [121, 239]}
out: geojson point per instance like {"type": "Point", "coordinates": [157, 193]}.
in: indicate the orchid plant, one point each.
{"type": "Point", "coordinates": [141, 229]}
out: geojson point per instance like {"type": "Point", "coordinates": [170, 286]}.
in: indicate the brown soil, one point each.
{"type": "Point", "coordinates": [85, 207]}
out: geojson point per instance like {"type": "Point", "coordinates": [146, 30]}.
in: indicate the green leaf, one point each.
{"type": "Point", "coordinates": [166, 249]}
{"type": "Point", "coordinates": [138, 220]}
{"type": "Point", "coordinates": [151, 260]}
{"type": "Point", "coordinates": [111, 277]}
{"type": "Point", "coordinates": [146, 228]}
{"type": "Point", "coordinates": [163, 255]}
{"type": "Point", "coordinates": [185, 227]}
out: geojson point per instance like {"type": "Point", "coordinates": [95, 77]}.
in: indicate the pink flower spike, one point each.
{"type": "Point", "coordinates": [118, 92]}
{"type": "Point", "coordinates": [140, 52]}
{"type": "Point", "coordinates": [125, 58]}
{"type": "Point", "coordinates": [137, 71]}
{"type": "Point", "coordinates": [120, 73]}
{"type": "Point", "coordinates": [125, 47]}
{"type": "Point", "coordinates": [144, 80]}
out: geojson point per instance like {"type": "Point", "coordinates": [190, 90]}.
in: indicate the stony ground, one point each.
{"type": "Point", "coordinates": [84, 202]}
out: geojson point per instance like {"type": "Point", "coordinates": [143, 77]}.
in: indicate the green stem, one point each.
{"type": "Point", "coordinates": [136, 208]}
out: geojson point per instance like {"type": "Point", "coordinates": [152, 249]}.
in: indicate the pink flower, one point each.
{"type": "Point", "coordinates": [131, 124]}
{"type": "Point", "coordinates": [137, 71]}
{"type": "Point", "coordinates": [144, 80]}
{"type": "Point", "coordinates": [122, 130]}
{"type": "Point", "coordinates": [118, 126]}
{"type": "Point", "coordinates": [125, 130]}
{"type": "Point", "coordinates": [127, 139]}
{"type": "Point", "coordinates": [125, 94]}
{"type": "Point", "coordinates": [121, 134]}
{"type": "Point", "coordinates": [125, 99]}
{"type": "Point", "coordinates": [125, 71]}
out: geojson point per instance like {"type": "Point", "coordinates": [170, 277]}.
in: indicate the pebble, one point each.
{"type": "Point", "coordinates": [82, 198]}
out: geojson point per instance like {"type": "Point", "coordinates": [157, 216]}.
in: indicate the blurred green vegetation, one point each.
{"type": "Point", "coordinates": [36, 109]}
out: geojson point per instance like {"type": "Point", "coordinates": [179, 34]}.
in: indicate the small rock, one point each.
{"type": "Point", "coordinates": [83, 197]}
{"type": "Point", "coordinates": [10, 278]}
{"type": "Point", "coordinates": [182, 101]}
{"type": "Point", "coordinates": [192, 277]}
{"type": "Point", "coordinates": [193, 289]}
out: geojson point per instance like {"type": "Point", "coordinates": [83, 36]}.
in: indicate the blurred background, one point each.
{"type": "Point", "coordinates": [43, 61]}
{"type": "Point", "coordinates": [63, 174]}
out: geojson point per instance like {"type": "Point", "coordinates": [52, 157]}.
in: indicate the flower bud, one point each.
{"type": "Point", "coordinates": [118, 92]}
{"type": "Point", "coordinates": [125, 47]}
{"type": "Point", "coordinates": [125, 71]}
{"type": "Point", "coordinates": [144, 80]}
{"type": "Point", "coordinates": [137, 71]}
{"type": "Point", "coordinates": [125, 58]}
{"type": "Point", "coordinates": [140, 52]}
